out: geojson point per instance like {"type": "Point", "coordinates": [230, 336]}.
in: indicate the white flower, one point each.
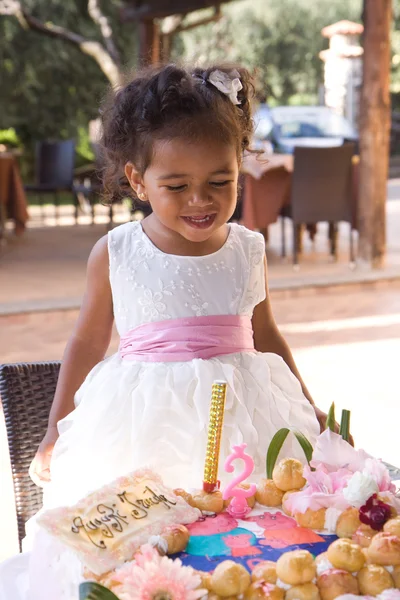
{"type": "Point", "coordinates": [359, 489]}
{"type": "Point", "coordinates": [227, 83]}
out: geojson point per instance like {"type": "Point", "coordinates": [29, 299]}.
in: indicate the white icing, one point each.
{"type": "Point", "coordinates": [359, 489]}
{"type": "Point", "coordinates": [159, 542]}
{"type": "Point", "coordinates": [323, 565]}
{"type": "Point", "coordinates": [208, 513]}
{"type": "Point", "coordinates": [331, 518]}
{"type": "Point", "coordinates": [389, 568]}
{"type": "Point", "coordinates": [283, 585]}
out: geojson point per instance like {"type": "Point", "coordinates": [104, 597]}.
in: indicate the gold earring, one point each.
{"type": "Point", "coordinates": [142, 196]}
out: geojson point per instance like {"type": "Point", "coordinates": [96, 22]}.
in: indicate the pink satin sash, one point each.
{"type": "Point", "coordinates": [181, 340]}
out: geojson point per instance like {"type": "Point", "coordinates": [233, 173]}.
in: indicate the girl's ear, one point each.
{"type": "Point", "coordinates": [135, 180]}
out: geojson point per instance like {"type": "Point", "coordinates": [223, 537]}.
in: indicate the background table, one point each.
{"type": "Point", "coordinates": [13, 202]}
{"type": "Point", "coordinates": [267, 189]}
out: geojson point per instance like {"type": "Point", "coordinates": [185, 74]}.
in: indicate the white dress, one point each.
{"type": "Point", "coordinates": [134, 414]}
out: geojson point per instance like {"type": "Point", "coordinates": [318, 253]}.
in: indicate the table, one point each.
{"type": "Point", "coordinates": [267, 188]}
{"type": "Point", "coordinates": [13, 202]}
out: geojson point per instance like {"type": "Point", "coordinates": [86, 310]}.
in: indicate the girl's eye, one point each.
{"type": "Point", "coordinates": [175, 188]}
{"type": "Point", "coordinates": [219, 183]}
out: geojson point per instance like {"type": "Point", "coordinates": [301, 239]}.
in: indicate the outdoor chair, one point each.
{"type": "Point", "coordinates": [54, 172]}
{"type": "Point", "coordinates": [91, 187]}
{"type": "Point", "coordinates": [322, 191]}
{"type": "Point", "coordinates": [27, 392]}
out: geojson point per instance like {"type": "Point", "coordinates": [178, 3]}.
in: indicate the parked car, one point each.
{"type": "Point", "coordinates": [285, 127]}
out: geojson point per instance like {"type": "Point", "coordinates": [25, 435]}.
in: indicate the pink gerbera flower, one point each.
{"type": "Point", "coordinates": [152, 577]}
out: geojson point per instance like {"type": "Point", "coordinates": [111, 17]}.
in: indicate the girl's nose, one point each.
{"type": "Point", "coordinates": [200, 199]}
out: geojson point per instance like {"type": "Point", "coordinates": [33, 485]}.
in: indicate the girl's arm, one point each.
{"type": "Point", "coordinates": [267, 338]}
{"type": "Point", "coordinates": [90, 339]}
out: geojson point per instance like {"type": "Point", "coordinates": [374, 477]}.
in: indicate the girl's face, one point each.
{"type": "Point", "coordinates": [192, 187]}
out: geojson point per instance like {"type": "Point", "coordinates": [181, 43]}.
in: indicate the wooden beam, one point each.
{"type": "Point", "coordinates": [159, 9]}
{"type": "Point", "coordinates": [374, 132]}
{"type": "Point", "coordinates": [149, 42]}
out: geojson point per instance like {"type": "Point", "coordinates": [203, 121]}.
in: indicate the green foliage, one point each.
{"type": "Point", "coordinates": [9, 138]}
{"type": "Point", "coordinates": [95, 591]}
{"type": "Point", "coordinates": [48, 87]}
{"type": "Point", "coordinates": [278, 40]}
{"type": "Point", "coordinates": [277, 442]}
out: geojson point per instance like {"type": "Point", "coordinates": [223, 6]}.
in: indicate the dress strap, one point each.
{"type": "Point", "coordinates": [181, 340]}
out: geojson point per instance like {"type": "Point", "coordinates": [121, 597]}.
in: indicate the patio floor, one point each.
{"type": "Point", "coordinates": [45, 268]}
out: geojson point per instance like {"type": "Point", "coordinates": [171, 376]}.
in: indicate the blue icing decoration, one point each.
{"type": "Point", "coordinates": [215, 545]}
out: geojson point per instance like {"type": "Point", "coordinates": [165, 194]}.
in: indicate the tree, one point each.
{"type": "Point", "coordinates": [374, 131]}
{"type": "Point", "coordinates": [105, 53]}
{"type": "Point", "coordinates": [49, 88]}
{"type": "Point", "coordinates": [279, 40]}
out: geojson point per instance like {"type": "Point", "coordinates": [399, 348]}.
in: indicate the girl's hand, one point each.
{"type": "Point", "coordinates": [321, 416]}
{"type": "Point", "coordinates": [39, 471]}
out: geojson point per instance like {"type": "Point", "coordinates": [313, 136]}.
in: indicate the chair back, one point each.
{"type": "Point", "coordinates": [55, 163]}
{"type": "Point", "coordinates": [322, 184]}
{"type": "Point", "coordinates": [27, 392]}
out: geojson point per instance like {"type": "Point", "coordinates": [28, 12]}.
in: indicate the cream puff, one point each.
{"type": "Point", "coordinates": [336, 582]}
{"type": "Point", "coordinates": [176, 538]}
{"type": "Point", "coordinates": [286, 496]}
{"type": "Point", "coordinates": [268, 494]}
{"type": "Point", "coordinates": [185, 495]}
{"type": "Point", "coordinates": [396, 576]}
{"type": "Point", "coordinates": [384, 549]}
{"type": "Point", "coordinates": [311, 519]}
{"type": "Point", "coordinates": [346, 554]}
{"type": "Point", "coordinates": [262, 590]}
{"type": "Point", "coordinates": [288, 475]}
{"type": "Point", "coordinates": [230, 579]}
{"type": "Point", "coordinates": [364, 535]}
{"type": "Point", "coordinates": [348, 523]}
{"type": "Point", "coordinates": [251, 500]}
{"type": "Point", "coordinates": [306, 591]}
{"type": "Point", "coordinates": [208, 502]}
{"type": "Point", "coordinates": [296, 567]}
{"type": "Point", "coordinates": [266, 571]}
{"type": "Point", "coordinates": [205, 578]}
{"type": "Point", "coordinates": [374, 579]}
{"type": "Point", "coordinates": [392, 526]}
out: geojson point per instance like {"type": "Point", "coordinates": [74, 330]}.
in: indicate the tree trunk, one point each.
{"type": "Point", "coordinates": [374, 132]}
{"type": "Point", "coordinates": [149, 42]}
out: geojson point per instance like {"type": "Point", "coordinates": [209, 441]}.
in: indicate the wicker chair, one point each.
{"type": "Point", "coordinates": [26, 391]}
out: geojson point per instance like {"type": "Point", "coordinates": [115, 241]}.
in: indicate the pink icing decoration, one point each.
{"type": "Point", "coordinates": [238, 506]}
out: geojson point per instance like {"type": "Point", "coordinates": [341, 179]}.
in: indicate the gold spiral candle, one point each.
{"type": "Point", "coordinates": [216, 419]}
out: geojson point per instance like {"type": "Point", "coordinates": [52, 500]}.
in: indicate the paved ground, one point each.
{"type": "Point", "coordinates": [45, 268]}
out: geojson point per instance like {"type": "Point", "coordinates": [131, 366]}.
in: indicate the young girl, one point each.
{"type": "Point", "coordinates": [189, 296]}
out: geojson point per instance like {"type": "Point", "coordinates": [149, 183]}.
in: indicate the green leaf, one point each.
{"type": "Point", "coordinates": [304, 443]}
{"type": "Point", "coordinates": [345, 425]}
{"type": "Point", "coordinates": [89, 590]}
{"type": "Point", "coordinates": [276, 446]}
{"type": "Point", "coordinates": [330, 419]}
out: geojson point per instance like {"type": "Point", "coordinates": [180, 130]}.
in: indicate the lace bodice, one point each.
{"type": "Point", "coordinates": [149, 285]}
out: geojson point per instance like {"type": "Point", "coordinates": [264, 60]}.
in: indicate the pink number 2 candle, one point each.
{"type": "Point", "coordinates": [238, 506]}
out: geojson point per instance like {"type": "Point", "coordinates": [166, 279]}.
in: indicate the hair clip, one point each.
{"type": "Point", "coordinates": [227, 83]}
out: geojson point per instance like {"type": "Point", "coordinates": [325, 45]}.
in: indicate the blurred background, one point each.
{"type": "Point", "coordinates": [324, 187]}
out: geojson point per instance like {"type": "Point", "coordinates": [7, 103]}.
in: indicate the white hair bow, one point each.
{"type": "Point", "coordinates": [227, 83]}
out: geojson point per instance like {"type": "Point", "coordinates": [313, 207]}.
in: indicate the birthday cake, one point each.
{"type": "Point", "coordinates": [315, 531]}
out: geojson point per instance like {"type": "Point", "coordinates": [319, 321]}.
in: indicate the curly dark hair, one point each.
{"type": "Point", "coordinates": [165, 103]}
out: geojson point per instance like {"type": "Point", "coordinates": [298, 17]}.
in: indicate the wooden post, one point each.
{"type": "Point", "coordinates": [374, 132]}
{"type": "Point", "coordinates": [149, 42]}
